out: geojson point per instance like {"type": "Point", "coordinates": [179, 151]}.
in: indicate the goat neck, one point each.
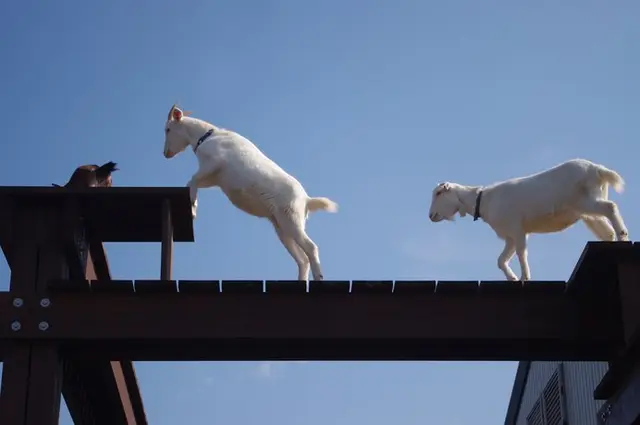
{"type": "Point", "coordinates": [467, 196]}
{"type": "Point", "coordinates": [196, 128]}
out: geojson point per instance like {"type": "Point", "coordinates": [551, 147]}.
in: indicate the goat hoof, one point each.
{"type": "Point", "coordinates": [624, 236]}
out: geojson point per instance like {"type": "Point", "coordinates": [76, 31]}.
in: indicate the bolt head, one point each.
{"type": "Point", "coordinates": [43, 326]}
{"type": "Point", "coordinates": [15, 326]}
{"type": "Point", "coordinates": [45, 302]}
{"type": "Point", "coordinates": [18, 302]}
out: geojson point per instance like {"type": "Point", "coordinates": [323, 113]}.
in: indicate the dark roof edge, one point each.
{"type": "Point", "coordinates": [517, 392]}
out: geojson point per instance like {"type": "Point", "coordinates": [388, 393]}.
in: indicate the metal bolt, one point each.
{"type": "Point", "coordinates": [43, 326]}
{"type": "Point", "coordinates": [45, 302]}
{"type": "Point", "coordinates": [17, 302]}
{"type": "Point", "coordinates": [15, 326]}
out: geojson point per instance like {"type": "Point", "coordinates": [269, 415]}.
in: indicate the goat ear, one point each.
{"type": "Point", "coordinates": [177, 114]}
{"type": "Point", "coordinates": [171, 111]}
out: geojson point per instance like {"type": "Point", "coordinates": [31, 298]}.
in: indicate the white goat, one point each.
{"type": "Point", "coordinates": [545, 202]}
{"type": "Point", "coordinates": [251, 181]}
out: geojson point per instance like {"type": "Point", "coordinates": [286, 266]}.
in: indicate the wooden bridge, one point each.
{"type": "Point", "coordinates": [67, 328]}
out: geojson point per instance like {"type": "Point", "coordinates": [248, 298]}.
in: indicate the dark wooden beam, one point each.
{"type": "Point", "coordinates": [627, 359]}
{"type": "Point", "coordinates": [115, 214]}
{"type": "Point", "coordinates": [166, 256]}
{"type": "Point", "coordinates": [6, 228]}
{"type": "Point", "coordinates": [424, 320]}
{"type": "Point", "coordinates": [32, 373]}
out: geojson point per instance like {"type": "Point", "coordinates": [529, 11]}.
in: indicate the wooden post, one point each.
{"type": "Point", "coordinates": [32, 378]}
{"type": "Point", "coordinates": [621, 384]}
{"type": "Point", "coordinates": [166, 260]}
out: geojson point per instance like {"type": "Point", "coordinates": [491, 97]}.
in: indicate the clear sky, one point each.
{"type": "Point", "coordinates": [370, 103]}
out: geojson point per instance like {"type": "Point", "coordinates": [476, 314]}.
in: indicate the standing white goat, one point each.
{"type": "Point", "coordinates": [251, 181]}
{"type": "Point", "coordinates": [545, 202]}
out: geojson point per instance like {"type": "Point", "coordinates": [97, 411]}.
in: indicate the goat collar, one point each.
{"type": "Point", "coordinates": [476, 212]}
{"type": "Point", "coordinates": [204, 137]}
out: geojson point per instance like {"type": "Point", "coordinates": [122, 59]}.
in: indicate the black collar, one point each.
{"type": "Point", "coordinates": [476, 213]}
{"type": "Point", "coordinates": [203, 138]}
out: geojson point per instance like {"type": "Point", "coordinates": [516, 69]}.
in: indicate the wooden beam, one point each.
{"type": "Point", "coordinates": [450, 320]}
{"type": "Point", "coordinates": [166, 256]}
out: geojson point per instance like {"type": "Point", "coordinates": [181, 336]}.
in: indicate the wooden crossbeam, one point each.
{"type": "Point", "coordinates": [192, 320]}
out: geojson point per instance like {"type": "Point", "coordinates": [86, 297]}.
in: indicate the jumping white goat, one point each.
{"type": "Point", "coordinates": [250, 180]}
{"type": "Point", "coordinates": [545, 202]}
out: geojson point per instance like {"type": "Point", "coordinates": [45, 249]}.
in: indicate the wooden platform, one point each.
{"type": "Point", "coordinates": [89, 329]}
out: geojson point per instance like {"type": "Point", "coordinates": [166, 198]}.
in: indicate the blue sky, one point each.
{"type": "Point", "coordinates": [369, 103]}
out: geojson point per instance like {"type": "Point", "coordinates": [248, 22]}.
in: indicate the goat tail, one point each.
{"type": "Point", "coordinates": [321, 203]}
{"type": "Point", "coordinates": [610, 177]}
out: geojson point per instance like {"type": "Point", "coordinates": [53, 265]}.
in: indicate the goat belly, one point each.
{"type": "Point", "coordinates": [551, 223]}
{"type": "Point", "coordinates": [249, 201]}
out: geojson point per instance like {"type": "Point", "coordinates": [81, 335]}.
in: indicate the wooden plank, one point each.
{"type": "Point", "coordinates": [242, 287]}
{"type": "Point", "coordinates": [372, 287]}
{"type": "Point", "coordinates": [412, 288]}
{"type": "Point", "coordinates": [143, 287]}
{"type": "Point", "coordinates": [69, 286]}
{"type": "Point", "coordinates": [543, 287]}
{"type": "Point", "coordinates": [112, 287]}
{"type": "Point", "coordinates": [199, 286]}
{"type": "Point", "coordinates": [457, 288]}
{"type": "Point", "coordinates": [286, 286]}
{"type": "Point", "coordinates": [329, 286]}
{"type": "Point", "coordinates": [500, 287]}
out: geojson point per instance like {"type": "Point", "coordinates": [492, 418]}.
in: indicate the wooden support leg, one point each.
{"type": "Point", "coordinates": [166, 260]}
{"type": "Point", "coordinates": [32, 373]}
{"type": "Point", "coordinates": [620, 386]}
{"type": "Point", "coordinates": [31, 385]}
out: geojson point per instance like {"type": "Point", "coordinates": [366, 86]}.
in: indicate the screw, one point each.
{"type": "Point", "coordinates": [43, 326]}
{"type": "Point", "coordinates": [15, 326]}
{"type": "Point", "coordinates": [45, 302]}
{"type": "Point", "coordinates": [17, 302]}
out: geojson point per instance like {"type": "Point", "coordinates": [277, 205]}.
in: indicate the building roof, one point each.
{"type": "Point", "coordinates": [517, 392]}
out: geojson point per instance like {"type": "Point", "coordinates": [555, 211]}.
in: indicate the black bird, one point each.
{"type": "Point", "coordinates": [91, 175]}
